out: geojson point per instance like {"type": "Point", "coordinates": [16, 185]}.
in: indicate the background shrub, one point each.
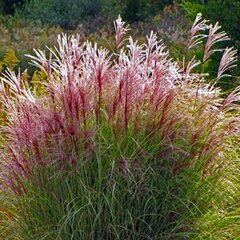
{"type": "Point", "coordinates": [142, 9]}
{"type": "Point", "coordinates": [66, 13]}
{"type": "Point", "coordinates": [8, 6]}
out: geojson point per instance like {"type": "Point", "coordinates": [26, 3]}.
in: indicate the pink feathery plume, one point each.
{"type": "Point", "coordinates": [228, 61]}
{"type": "Point", "coordinates": [199, 25]}
{"type": "Point", "coordinates": [120, 30]}
{"type": "Point", "coordinates": [214, 37]}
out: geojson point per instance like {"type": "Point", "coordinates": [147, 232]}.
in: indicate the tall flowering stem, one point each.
{"type": "Point", "coordinates": [196, 34]}
{"type": "Point", "coordinates": [228, 61]}
{"type": "Point", "coordinates": [214, 37]}
{"type": "Point", "coordinates": [120, 30]}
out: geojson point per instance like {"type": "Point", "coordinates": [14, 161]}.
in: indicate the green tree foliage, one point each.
{"type": "Point", "coordinates": [66, 13]}
{"type": "Point", "coordinates": [7, 6]}
{"type": "Point", "coordinates": [69, 13]}
{"type": "Point", "coordinates": [141, 9]}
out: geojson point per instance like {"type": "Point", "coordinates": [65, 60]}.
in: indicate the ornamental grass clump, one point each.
{"type": "Point", "coordinates": [122, 145]}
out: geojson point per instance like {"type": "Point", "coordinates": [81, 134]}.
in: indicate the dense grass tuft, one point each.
{"type": "Point", "coordinates": [128, 145]}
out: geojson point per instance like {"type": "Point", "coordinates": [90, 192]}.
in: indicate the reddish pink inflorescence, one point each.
{"type": "Point", "coordinates": [139, 88]}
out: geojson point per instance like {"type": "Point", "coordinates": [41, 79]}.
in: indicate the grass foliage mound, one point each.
{"type": "Point", "coordinates": [123, 145]}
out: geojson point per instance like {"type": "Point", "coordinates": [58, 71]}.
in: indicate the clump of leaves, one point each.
{"type": "Point", "coordinates": [128, 145]}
